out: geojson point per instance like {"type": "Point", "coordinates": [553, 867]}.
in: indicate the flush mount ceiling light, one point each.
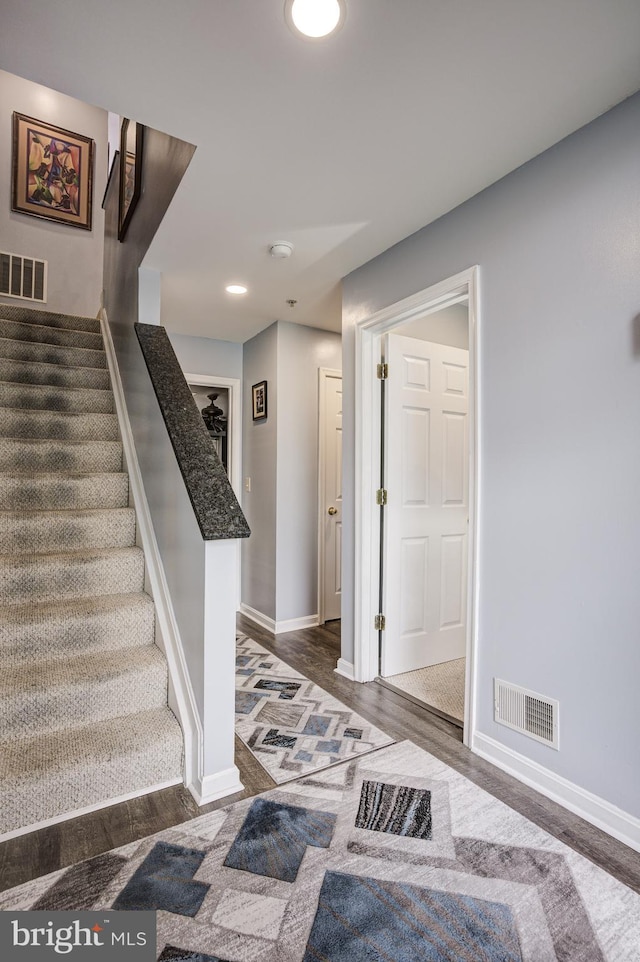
{"type": "Point", "coordinates": [236, 289]}
{"type": "Point", "coordinates": [315, 19]}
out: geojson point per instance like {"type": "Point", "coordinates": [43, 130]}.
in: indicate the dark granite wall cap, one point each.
{"type": "Point", "coordinates": [215, 505]}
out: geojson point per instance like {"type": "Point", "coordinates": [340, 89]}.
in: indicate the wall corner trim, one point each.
{"type": "Point", "coordinates": [593, 809]}
{"type": "Point", "coordinates": [165, 616]}
{"type": "Point", "coordinates": [212, 787]}
{"type": "Point", "coordinates": [278, 627]}
{"type": "Point", "coordinates": [346, 669]}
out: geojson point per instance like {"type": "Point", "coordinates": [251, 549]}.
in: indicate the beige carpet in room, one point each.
{"type": "Point", "coordinates": [440, 687]}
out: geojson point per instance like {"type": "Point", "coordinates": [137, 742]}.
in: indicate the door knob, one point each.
{"type": "Point", "coordinates": [332, 511]}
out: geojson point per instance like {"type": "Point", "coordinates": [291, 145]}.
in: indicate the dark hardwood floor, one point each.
{"type": "Point", "coordinates": [314, 652]}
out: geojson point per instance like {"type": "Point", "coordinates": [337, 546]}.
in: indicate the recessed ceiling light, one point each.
{"type": "Point", "coordinates": [315, 19]}
{"type": "Point", "coordinates": [236, 289]}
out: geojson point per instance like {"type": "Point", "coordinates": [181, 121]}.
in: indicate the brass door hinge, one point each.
{"type": "Point", "coordinates": [382, 496]}
{"type": "Point", "coordinates": [379, 622]}
{"type": "Point", "coordinates": [382, 370]}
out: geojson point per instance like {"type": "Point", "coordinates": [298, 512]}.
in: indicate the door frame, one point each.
{"type": "Point", "coordinates": [368, 337]}
{"type": "Point", "coordinates": [324, 373]}
{"type": "Point", "coordinates": [233, 385]}
{"type": "Point", "coordinates": [235, 412]}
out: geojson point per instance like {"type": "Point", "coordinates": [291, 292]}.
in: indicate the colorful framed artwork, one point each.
{"type": "Point", "coordinates": [52, 172]}
{"type": "Point", "coordinates": [131, 146]}
{"type": "Point", "coordinates": [259, 401]}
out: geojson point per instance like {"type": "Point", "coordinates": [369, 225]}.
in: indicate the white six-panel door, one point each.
{"type": "Point", "coordinates": [426, 518]}
{"type": "Point", "coordinates": [331, 493]}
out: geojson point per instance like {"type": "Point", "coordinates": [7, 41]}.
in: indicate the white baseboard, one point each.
{"type": "Point", "coordinates": [278, 627]}
{"type": "Point", "coordinates": [258, 618]}
{"type": "Point", "coordinates": [596, 810]}
{"type": "Point", "coordinates": [346, 669]}
{"type": "Point", "coordinates": [78, 812]}
{"type": "Point", "coordinates": [213, 787]}
{"type": "Point", "coordinates": [297, 624]}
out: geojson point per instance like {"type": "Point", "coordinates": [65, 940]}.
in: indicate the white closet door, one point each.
{"type": "Point", "coordinates": [427, 479]}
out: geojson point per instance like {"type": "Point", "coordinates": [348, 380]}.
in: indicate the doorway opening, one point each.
{"type": "Point", "coordinates": [424, 419]}
{"type": "Point", "coordinates": [221, 399]}
{"type": "Point", "coordinates": [416, 497]}
{"type": "Point", "coordinates": [329, 496]}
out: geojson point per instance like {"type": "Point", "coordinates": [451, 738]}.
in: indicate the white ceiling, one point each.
{"type": "Point", "coordinates": [343, 147]}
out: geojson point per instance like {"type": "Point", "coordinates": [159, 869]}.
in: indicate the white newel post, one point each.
{"type": "Point", "coordinates": [220, 775]}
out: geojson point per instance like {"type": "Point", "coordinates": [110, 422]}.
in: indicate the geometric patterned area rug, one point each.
{"type": "Point", "coordinates": [391, 857]}
{"type": "Point", "coordinates": [292, 726]}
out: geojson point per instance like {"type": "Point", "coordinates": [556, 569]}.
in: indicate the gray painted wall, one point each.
{"type": "Point", "coordinates": [259, 460]}
{"type": "Point", "coordinates": [205, 355]}
{"type": "Point", "coordinates": [558, 246]}
{"type": "Point", "coordinates": [179, 539]}
{"type": "Point", "coordinates": [301, 352]}
{"type": "Point", "coordinates": [74, 256]}
{"type": "Point", "coordinates": [279, 561]}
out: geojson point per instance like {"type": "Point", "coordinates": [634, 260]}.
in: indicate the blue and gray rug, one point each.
{"type": "Point", "coordinates": [393, 857]}
{"type": "Point", "coordinates": [292, 726]}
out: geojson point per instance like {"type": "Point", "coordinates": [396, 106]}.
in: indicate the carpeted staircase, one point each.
{"type": "Point", "coordinates": [83, 687]}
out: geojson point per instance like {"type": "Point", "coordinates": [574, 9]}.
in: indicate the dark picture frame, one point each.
{"type": "Point", "coordinates": [259, 401]}
{"type": "Point", "coordinates": [52, 172]}
{"type": "Point", "coordinates": [115, 165]}
{"type": "Point", "coordinates": [131, 148]}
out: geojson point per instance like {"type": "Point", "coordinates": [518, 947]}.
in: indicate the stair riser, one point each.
{"type": "Point", "coordinates": [67, 493]}
{"type": "Point", "coordinates": [68, 427]}
{"type": "Point", "coordinates": [47, 579]}
{"type": "Point", "coordinates": [85, 632]}
{"type": "Point", "coordinates": [50, 354]}
{"type": "Point", "coordinates": [48, 456]}
{"type": "Point", "coordinates": [30, 532]}
{"type": "Point", "coordinates": [53, 776]}
{"type": "Point", "coordinates": [30, 315]}
{"type": "Point", "coordinates": [27, 713]}
{"type": "Point", "coordinates": [50, 335]}
{"type": "Point", "coordinates": [33, 372]}
{"type": "Point", "coordinates": [45, 398]}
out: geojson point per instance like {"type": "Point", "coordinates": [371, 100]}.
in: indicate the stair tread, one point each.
{"type": "Point", "coordinates": [49, 364]}
{"type": "Point", "coordinates": [55, 425]}
{"type": "Point", "coordinates": [72, 441]}
{"type": "Point", "coordinates": [48, 412]}
{"type": "Point", "coordinates": [98, 744]}
{"type": "Point", "coordinates": [78, 670]}
{"type": "Point", "coordinates": [52, 513]}
{"type": "Point", "coordinates": [65, 388]}
{"type": "Point", "coordinates": [60, 475]}
{"type": "Point", "coordinates": [39, 611]}
{"type": "Point", "coordinates": [82, 670]}
{"type": "Point", "coordinates": [36, 315]}
{"type": "Point", "coordinates": [66, 557]}
{"type": "Point", "coordinates": [42, 330]}
{"type": "Point", "coordinates": [59, 347]}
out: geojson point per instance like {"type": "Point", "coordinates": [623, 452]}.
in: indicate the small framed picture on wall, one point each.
{"type": "Point", "coordinates": [259, 401]}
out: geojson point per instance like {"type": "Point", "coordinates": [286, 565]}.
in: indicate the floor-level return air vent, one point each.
{"type": "Point", "coordinates": [525, 711]}
{"type": "Point", "coordinates": [23, 277]}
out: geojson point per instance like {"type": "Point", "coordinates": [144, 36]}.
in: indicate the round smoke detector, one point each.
{"type": "Point", "coordinates": [281, 249]}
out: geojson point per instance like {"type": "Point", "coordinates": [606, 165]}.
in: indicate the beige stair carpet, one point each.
{"type": "Point", "coordinates": [83, 687]}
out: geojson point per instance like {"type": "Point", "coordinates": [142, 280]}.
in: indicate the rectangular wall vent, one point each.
{"type": "Point", "coordinates": [23, 277]}
{"type": "Point", "coordinates": [525, 711]}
